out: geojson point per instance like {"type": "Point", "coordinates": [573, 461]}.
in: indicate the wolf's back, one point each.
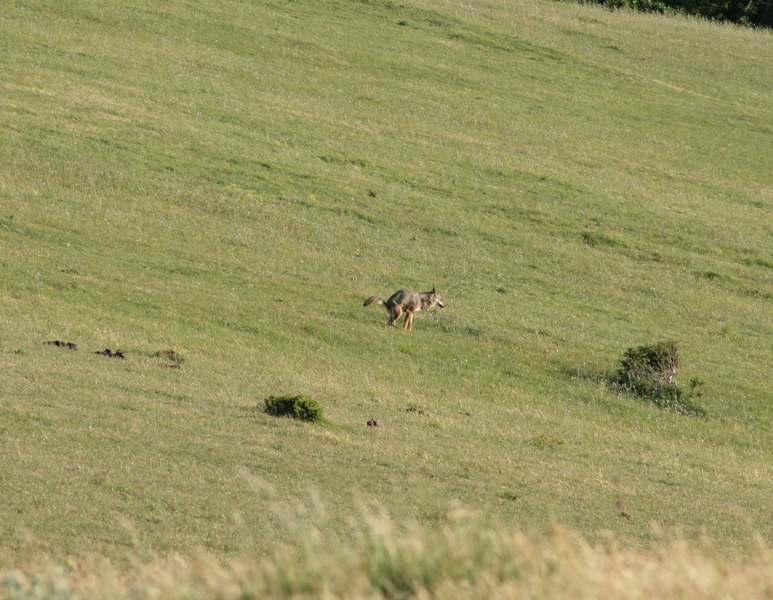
{"type": "Point", "coordinates": [404, 299]}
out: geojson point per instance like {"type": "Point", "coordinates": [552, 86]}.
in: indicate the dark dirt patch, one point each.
{"type": "Point", "coordinates": [110, 354]}
{"type": "Point", "coordinates": [61, 344]}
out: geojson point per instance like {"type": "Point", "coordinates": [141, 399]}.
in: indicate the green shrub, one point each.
{"type": "Point", "coordinates": [649, 372]}
{"type": "Point", "coordinates": [657, 363]}
{"type": "Point", "coordinates": [299, 407]}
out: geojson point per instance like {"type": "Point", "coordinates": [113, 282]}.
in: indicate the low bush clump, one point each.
{"type": "Point", "coordinates": [649, 372]}
{"type": "Point", "coordinates": [299, 407]}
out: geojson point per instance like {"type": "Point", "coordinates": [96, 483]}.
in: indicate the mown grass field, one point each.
{"type": "Point", "coordinates": [196, 177]}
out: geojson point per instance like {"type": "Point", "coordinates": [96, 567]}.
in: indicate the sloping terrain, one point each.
{"type": "Point", "coordinates": [214, 188]}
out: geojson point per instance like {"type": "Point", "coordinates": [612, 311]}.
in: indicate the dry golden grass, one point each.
{"type": "Point", "coordinates": [461, 560]}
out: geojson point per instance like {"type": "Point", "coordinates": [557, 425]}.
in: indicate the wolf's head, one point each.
{"type": "Point", "coordinates": [432, 298]}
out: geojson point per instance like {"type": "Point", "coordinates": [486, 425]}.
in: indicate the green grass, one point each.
{"type": "Point", "coordinates": [196, 177]}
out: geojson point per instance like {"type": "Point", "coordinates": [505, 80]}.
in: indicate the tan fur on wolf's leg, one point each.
{"type": "Point", "coordinates": [408, 320]}
{"type": "Point", "coordinates": [396, 312]}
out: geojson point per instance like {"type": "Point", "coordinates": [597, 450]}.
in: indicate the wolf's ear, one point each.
{"type": "Point", "coordinates": [434, 291]}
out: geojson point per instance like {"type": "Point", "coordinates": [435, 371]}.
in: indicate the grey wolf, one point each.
{"type": "Point", "coordinates": [408, 302]}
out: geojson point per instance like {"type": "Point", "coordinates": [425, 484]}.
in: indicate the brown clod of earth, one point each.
{"type": "Point", "coordinates": [626, 515]}
{"type": "Point", "coordinates": [372, 193]}
{"type": "Point", "coordinates": [372, 423]}
{"type": "Point", "coordinates": [68, 345]}
{"type": "Point", "coordinates": [170, 355]}
{"type": "Point", "coordinates": [109, 353]}
{"type": "Point", "coordinates": [413, 409]}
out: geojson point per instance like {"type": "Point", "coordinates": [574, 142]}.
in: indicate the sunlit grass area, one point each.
{"type": "Point", "coordinates": [213, 189]}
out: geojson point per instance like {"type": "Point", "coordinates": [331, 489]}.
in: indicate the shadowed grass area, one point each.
{"type": "Point", "coordinates": [228, 181]}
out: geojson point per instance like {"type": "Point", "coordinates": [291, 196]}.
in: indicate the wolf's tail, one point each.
{"type": "Point", "coordinates": [373, 300]}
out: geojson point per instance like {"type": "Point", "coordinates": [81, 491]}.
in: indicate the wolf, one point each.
{"type": "Point", "coordinates": [408, 302]}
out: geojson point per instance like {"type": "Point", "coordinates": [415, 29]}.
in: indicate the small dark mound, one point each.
{"type": "Point", "coordinates": [61, 344]}
{"type": "Point", "coordinates": [174, 358]}
{"type": "Point", "coordinates": [170, 355]}
{"type": "Point", "coordinates": [110, 354]}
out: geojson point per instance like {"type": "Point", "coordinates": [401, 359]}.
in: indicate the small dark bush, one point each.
{"type": "Point", "coordinates": [303, 408]}
{"type": "Point", "coordinates": [649, 372]}
{"type": "Point", "coordinates": [657, 363]}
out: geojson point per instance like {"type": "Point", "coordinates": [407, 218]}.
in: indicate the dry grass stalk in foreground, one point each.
{"type": "Point", "coordinates": [459, 561]}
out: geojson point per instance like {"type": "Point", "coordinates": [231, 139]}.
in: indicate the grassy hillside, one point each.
{"type": "Point", "coordinates": [228, 181]}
